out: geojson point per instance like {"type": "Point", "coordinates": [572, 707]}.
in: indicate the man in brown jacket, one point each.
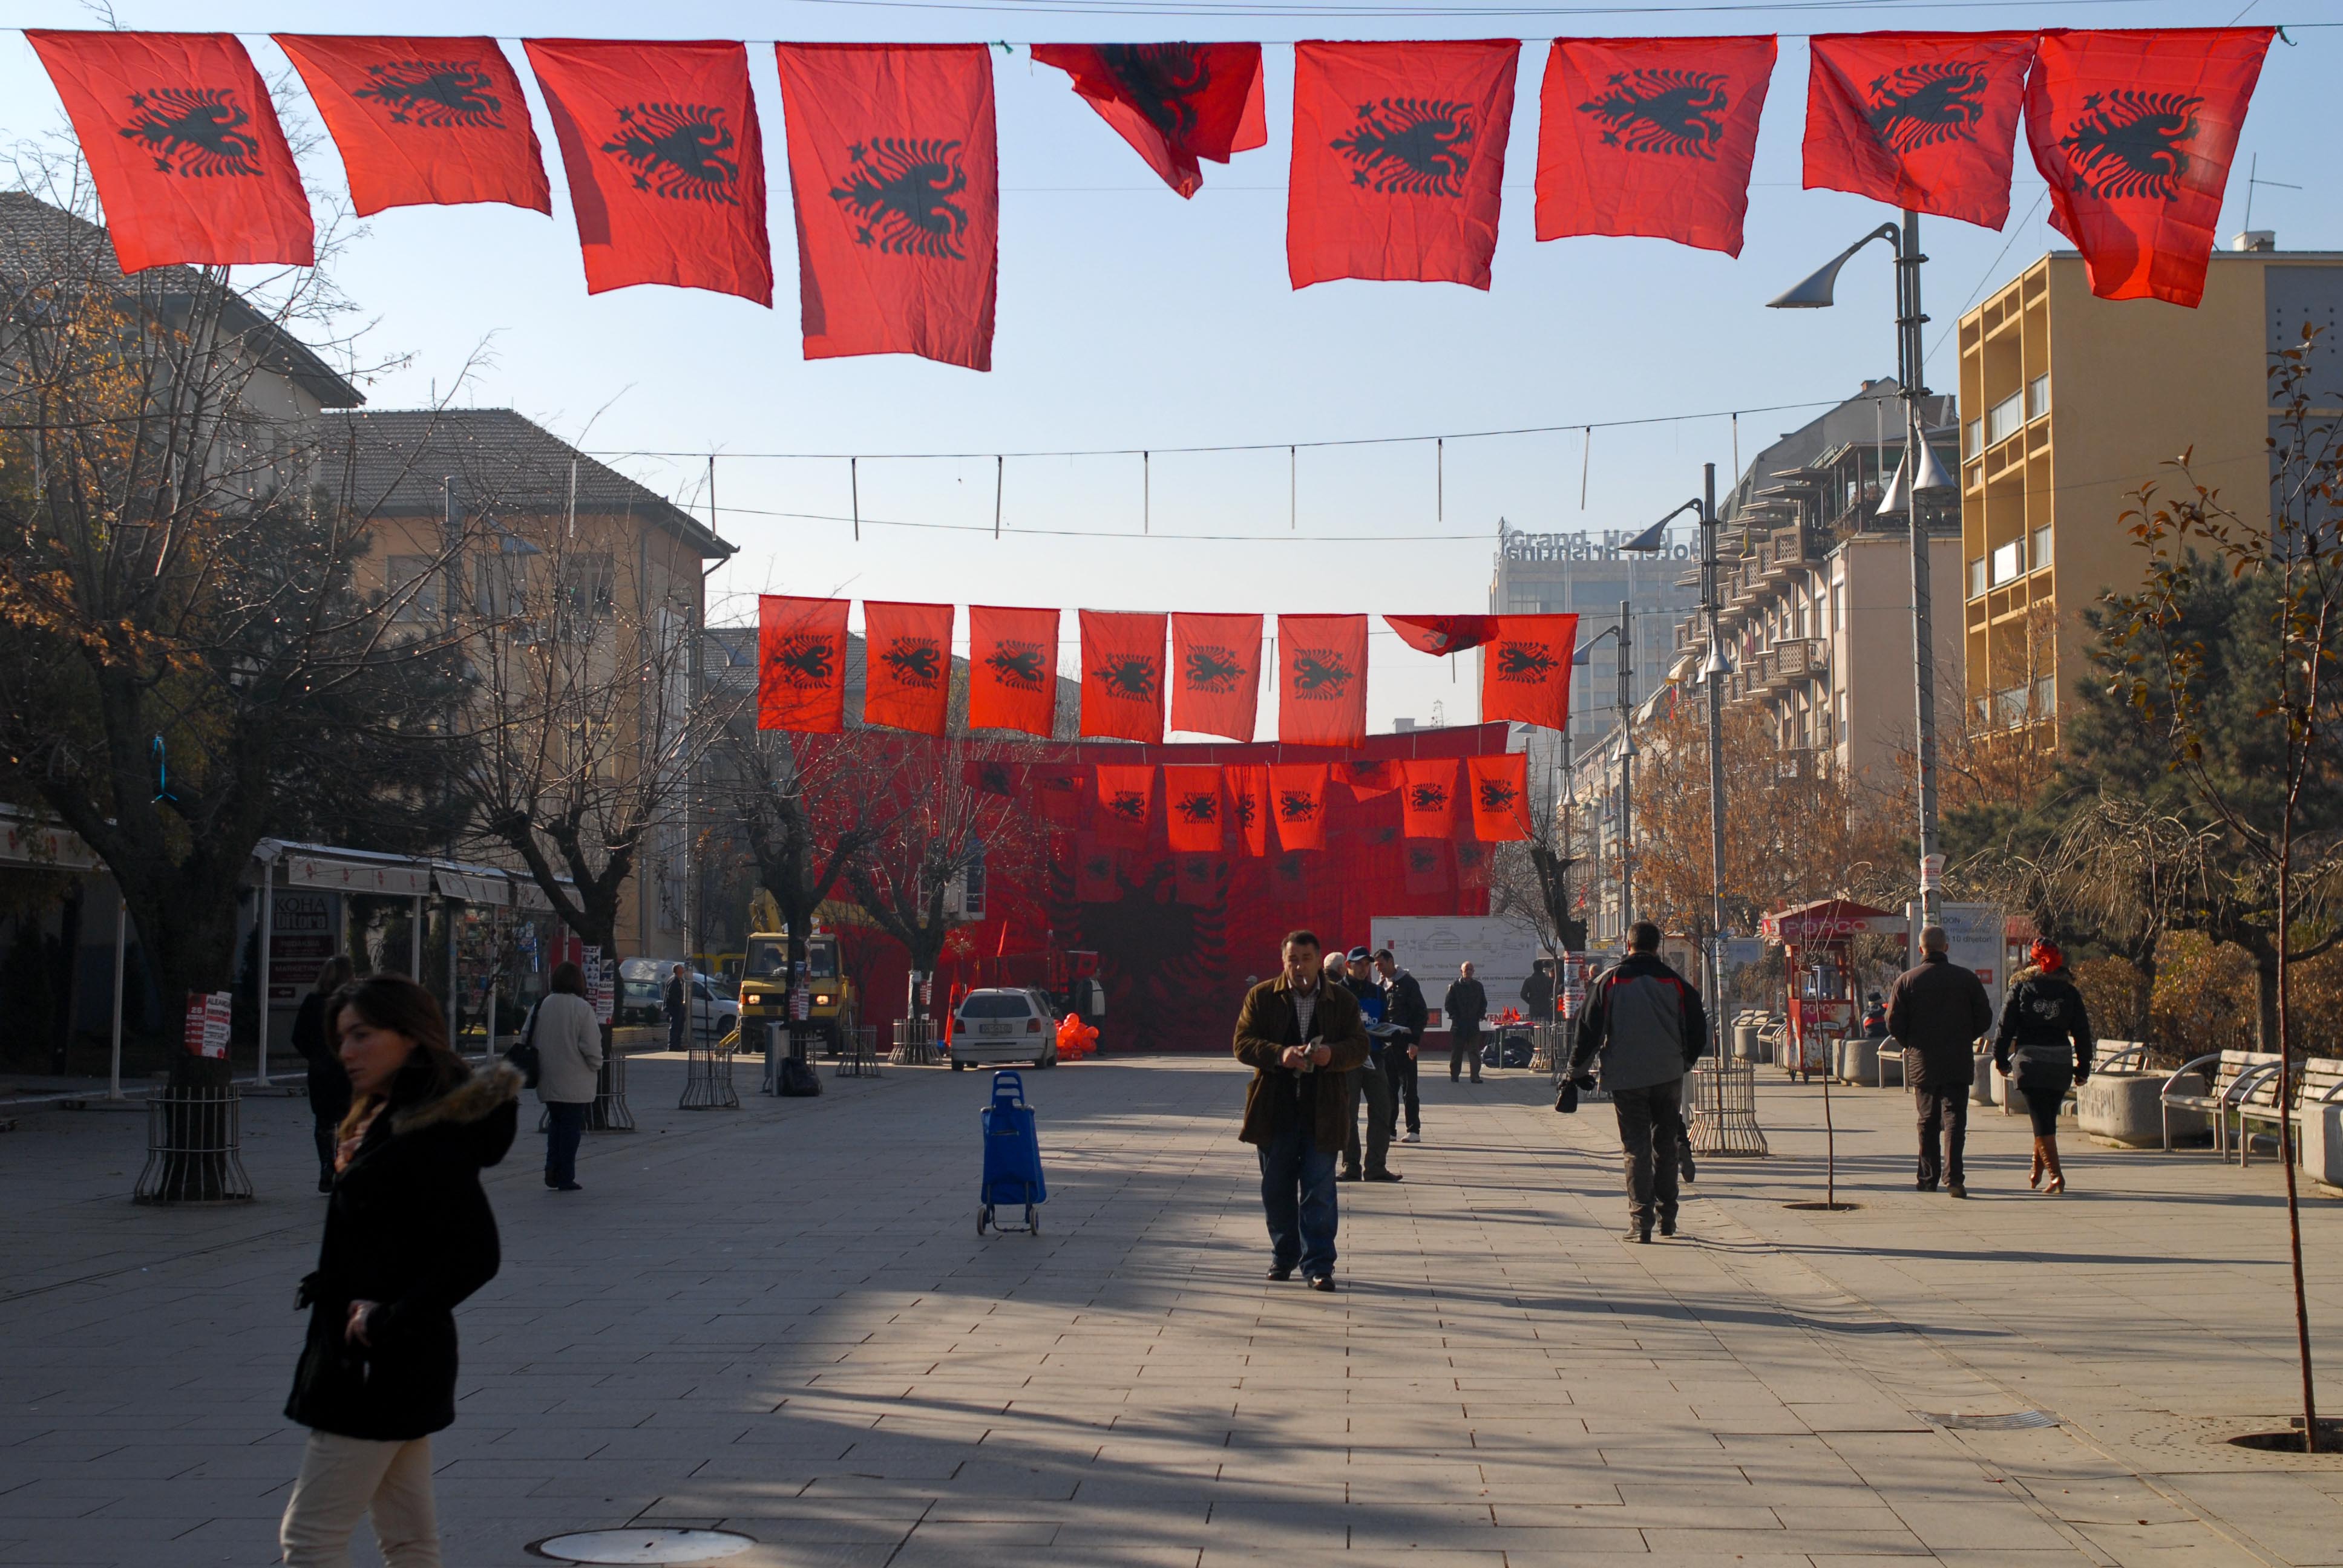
{"type": "Point", "coordinates": [1301, 1037]}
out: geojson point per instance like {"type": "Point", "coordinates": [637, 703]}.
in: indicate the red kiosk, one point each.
{"type": "Point", "coordinates": [1818, 943]}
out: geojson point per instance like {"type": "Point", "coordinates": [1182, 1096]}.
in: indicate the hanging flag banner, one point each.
{"type": "Point", "coordinates": [1399, 159]}
{"type": "Point", "coordinates": [1921, 120]}
{"type": "Point", "coordinates": [1097, 878]}
{"type": "Point", "coordinates": [1248, 788]}
{"type": "Point", "coordinates": [1526, 669]}
{"type": "Point", "coordinates": [1173, 103]}
{"type": "Point", "coordinates": [1297, 797]}
{"type": "Point", "coordinates": [183, 145]}
{"type": "Point", "coordinates": [1191, 807]}
{"type": "Point", "coordinates": [1442, 633]}
{"type": "Point", "coordinates": [423, 122]}
{"type": "Point", "coordinates": [2134, 132]}
{"type": "Point", "coordinates": [907, 666]}
{"type": "Point", "coordinates": [1204, 881]}
{"type": "Point", "coordinates": [896, 176]}
{"type": "Point", "coordinates": [1472, 866]}
{"type": "Point", "coordinates": [1216, 674]}
{"type": "Point", "coordinates": [1013, 668]}
{"type": "Point", "coordinates": [801, 664]}
{"type": "Point", "coordinates": [665, 161]}
{"type": "Point", "coordinates": [1322, 679]}
{"type": "Point", "coordinates": [1125, 795]}
{"type": "Point", "coordinates": [1426, 869]}
{"type": "Point", "coordinates": [1058, 794]}
{"type": "Point", "coordinates": [1500, 796]}
{"type": "Point", "coordinates": [1650, 136]}
{"type": "Point", "coordinates": [1368, 778]}
{"type": "Point", "coordinates": [990, 776]}
{"type": "Point", "coordinates": [1122, 676]}
{"type": "Point", "coordinates": [1427, 798]}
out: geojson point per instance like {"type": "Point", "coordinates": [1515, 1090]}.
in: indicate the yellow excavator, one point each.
{"type": "Point", "coordinates": [766, 982]}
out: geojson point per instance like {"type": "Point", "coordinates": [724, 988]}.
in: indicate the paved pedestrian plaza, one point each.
{"type": "Point", "coordinates": [782, 1321]}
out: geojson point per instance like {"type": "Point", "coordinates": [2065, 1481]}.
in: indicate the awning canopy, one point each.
{"type": "Point", "coordinates": [1829, 921]}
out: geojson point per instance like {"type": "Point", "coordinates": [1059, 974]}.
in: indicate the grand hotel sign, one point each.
{"type": "Point", "coordinates": [1591, 547]}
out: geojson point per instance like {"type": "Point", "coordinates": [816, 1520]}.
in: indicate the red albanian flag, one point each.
{"type": "Point", "coordinates": [1427, 798]}
{"type": "Point", "coordinates": [1216, 674]}
{"type": "Point", "coordinates": [801, 664]}
{"type": "Point", "coordinates": [1399, 160]}
{"type": "Point", "coordinates": [184, 148]}
{"type": "Point", "coordinates": [1526, 669]}
{"type": "Point", "coordinates": [665, 161]}
{"type": "Point", "coordinates": [1057, 795]}
{"type": "Point", "coordinates": [896, 179]}
{"type": "Point", "coordinates": [1442, 633]}
{"type": "Point", "coordinates": [1125, 795]}
{"type": "Point", "coordinates": [1650, 136]}
{"type": "Point", "coordinates": [1425, 870]}
{"type": "Point", "coordinates": [1174, 103]}
{"type": "Point", "coordinates": [1122, 676]}
{"type": "Point", "coordinates": [1248, 789]}
{"type": "Point", "coordinates": [2134, 131]}
{"type": "Point", "coordinates": [1322, 679]}
{"type": "Point", "coordinates": [1500, 795]}
{"type": "Point", "coordinates": [1297, 797]}
{"type": "Point", "coordinates": [424, 122]}
{"type": "Point", "coordinates": [1921, 120]}
{"type": "Point", "coordinates": [1013, 668]}
{"type": "Point", "coordinates": [1191, 808]}
{"type": "Point", "coordinates": [1369, 777]}
{"type": "Point", "coordinates": [907, 664]}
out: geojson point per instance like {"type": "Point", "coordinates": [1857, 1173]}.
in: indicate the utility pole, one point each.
{"type": "Point", "coordinates": [1714, 670]}
{"type": "Point", "coordinates": [1626, 773]}
{"type": "Point", "coordinates": [1909, 319]}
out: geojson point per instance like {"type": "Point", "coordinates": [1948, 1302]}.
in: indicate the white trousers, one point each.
{"type": "Point", "coordinates": [345, 1479]}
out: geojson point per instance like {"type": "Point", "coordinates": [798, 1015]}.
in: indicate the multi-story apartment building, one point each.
{"type": "Point", "coordinates": [2069, 404]}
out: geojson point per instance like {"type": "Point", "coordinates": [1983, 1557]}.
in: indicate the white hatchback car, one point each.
{"type": "Point", "coordinates": [994, 1028]}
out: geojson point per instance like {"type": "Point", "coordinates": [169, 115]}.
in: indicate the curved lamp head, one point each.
{"type": "Point", "coordinates": [1815, 292]}
{"type": "Point", "coordinates": [1716, 666]}
{"type": "Point", "coordinates": [1933, 476]}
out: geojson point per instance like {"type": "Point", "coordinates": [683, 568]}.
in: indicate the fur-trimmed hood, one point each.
{"type": "Point", "coordinates": [472, 1101]}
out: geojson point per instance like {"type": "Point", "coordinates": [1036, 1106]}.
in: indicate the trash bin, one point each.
{"type": "Point", "coordinates": [1744, 1043]}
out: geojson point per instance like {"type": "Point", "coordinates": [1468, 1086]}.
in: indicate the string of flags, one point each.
{"type": "Point", "coordinates": [1397, 165]}
{"type": "Point", "coordinates": [1202, 670]}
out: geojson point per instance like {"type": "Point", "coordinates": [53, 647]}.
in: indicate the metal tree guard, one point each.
{"type": "Point", "coordinates": [1724, 1108]}
{"type": "Point", "coordinates": [194, 1141]}
{"type": "Point", "coordinates": [708, 1076]}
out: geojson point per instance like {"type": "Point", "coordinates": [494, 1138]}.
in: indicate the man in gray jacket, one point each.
{"type": "Point", "coordinates": [1645, 1021]}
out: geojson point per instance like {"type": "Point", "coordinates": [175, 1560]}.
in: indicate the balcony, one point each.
{"type": "Point", "coordinates": [1786, 663]}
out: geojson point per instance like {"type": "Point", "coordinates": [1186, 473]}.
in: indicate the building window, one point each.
{"type": "Point", "coordinates": [2045, 696]}
{"type": "Point", "coordinates": [1977, 578]}
{"type": "Point", "coordinates": [1972, 437]}
{"type": "Point", "coordinates": [414, 586]}
{"type": "Point", "coordinates": [587, 596]}
{"type": "Point", "coordinates": [2008, 562]}
{"type": "Point", "coordinates": [2041, 547]}
{"type": "Point", "coordinates": [2038, 395]}
{"type": "Point", "coordinates": [2004, 418]}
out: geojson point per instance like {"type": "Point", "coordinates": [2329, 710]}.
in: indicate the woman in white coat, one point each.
{"type": "Point", "coordinates": [568, 1042]}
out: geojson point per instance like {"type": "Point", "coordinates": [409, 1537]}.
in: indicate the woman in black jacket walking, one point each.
{"type": "Point", "coordinates": [2045, 1048]}
{"type": "Point", "coordinates": [330, 1085]}
{"type": "Point", "coordinates": [408, 1235]}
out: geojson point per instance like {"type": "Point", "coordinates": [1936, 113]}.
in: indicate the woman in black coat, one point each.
{"type": "Point", "coordinates": [330, 1085]}
{"type": "Point", "coordinates": [2044, 1048]}
{"type": "Point", "coordinates": [408, 1235]}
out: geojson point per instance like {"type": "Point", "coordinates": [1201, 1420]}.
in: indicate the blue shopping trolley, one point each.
{"type": "Point", "coordinates": [1013, 1157]}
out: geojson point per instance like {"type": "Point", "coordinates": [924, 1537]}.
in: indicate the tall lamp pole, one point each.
{"type": "Point", "coordinates": [1919, 472]}
{"type": "Point", "coordinates": [1582, 654]}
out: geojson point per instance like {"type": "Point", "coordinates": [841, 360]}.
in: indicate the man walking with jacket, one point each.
{"type": "Point", "coordinates": [1406, 1013]}
{"type": "Point", "coordinates": [1938, 1011]}
{"type": "Point", "coordinates": [1301, 1037]}
{"type": "Point", "coordinates": [1369, 1081]}
{"type": "Point", "coordinates": [1466, 1004]}
{"type": "Point", "coordinates": [1646, 1022]}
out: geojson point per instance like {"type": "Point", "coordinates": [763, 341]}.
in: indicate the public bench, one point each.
{"type": "Point", "coordinates": [2316, 1080]}
{"type": "Point", "coordinates": [2230, 1078]}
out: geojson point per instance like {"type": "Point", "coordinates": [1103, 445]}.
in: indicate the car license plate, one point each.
{"type": "Point", "coordinates": [992, 1028]}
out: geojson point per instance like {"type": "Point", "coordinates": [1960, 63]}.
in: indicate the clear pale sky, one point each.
{"type": "Point", "coordinates": [1129, 319]}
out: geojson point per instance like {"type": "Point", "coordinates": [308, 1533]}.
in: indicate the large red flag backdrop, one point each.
{"type": "Point", "coordinates": [665, 161]}
{"type": "Point", "coordinates": [1500, 795]}
{"type": "Point", "coordinates": [1191, 807]}
{"type": "Point", "coordinates": [896, 179]}
{"type": "Point", "coordinates": [183, 145]}
{"type": "Point", "coordinates": [1322, 679]}
{"type": "Point", "coordinates": [1297, 794]}
{"type": "Point", "coordinates": [907, 664]}
{"type": "Point", "coordinates": [1174, 103]}
{"type": "Point", "coordinates": [2134, 131]}
{"type": "Point", "coordinates": [1526, 669]}
{"type": "Point", "coordinates": [423, 120]}
{"type": "Point", "coordinates": [1921, 120]}
{"type": "Point", "coordinates": [1399, 159]}
{"type": "Point", "coordinates": [801, 664]}
{"type": "Point", "coordinates": [1215, 674]}
{"type": "Point", "coordinates": [1442, 633]}
{"type": "Point", "coordinates": [1650, 136]}
{"type": "Point", "coordinates": [1248, 786]}
{"type": "Point", "coordinates": [1125, 795]}
{"type": "Point", "coordinates": [1013, 668]}
{"type": "Point", "coordinates": [1123, 675]}
{"type": "Point", "coordinates": [1427, 798]}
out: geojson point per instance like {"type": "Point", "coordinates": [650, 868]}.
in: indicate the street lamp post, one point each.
{"type": "Point", "coordinates": [1919, 472]}
{"type": "Point", "coordinates": [1581, 654]}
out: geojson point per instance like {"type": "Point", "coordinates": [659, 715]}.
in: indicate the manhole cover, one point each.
{"type": "Point", "coordinates": [643, 1546]}
{"type": "Point", "coordinates": [2014, 1420]}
